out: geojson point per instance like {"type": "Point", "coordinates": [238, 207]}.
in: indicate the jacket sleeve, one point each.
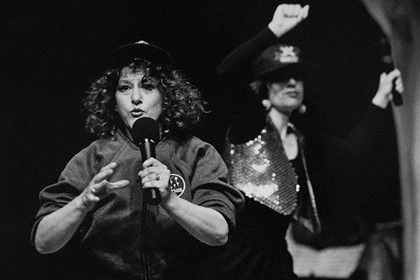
{"type": "Point", "coordinates": [237, 64]}
{"type": "Point", "coordinates": [74, 178]}
{"type": "Point", "coordinates": [210, 185]}
{"type": "Point", "coordinates": [247, 115]}
{"type": "Point", "coordinates": [363, 139]}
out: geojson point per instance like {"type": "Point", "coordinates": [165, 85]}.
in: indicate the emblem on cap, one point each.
{"type": "Point", "coordinates": [177, 184]}
{"type": "Point", "coordinates": [286, 54]}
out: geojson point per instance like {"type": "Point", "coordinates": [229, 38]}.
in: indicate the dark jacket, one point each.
{"type": "Point", "coordinates": [112, 242]}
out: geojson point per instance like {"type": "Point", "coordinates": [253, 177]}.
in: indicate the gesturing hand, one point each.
{"type": "Point", "coordinates": [99, 187]}
{"type": "Point", "coordinates": [286, 17]}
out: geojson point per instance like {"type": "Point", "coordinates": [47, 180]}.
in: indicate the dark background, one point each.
{"type": "Point", "coordinates": [51, 50]}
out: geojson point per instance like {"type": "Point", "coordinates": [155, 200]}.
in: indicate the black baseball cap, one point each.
{"type": "Point", "coordinates": [141, 50]}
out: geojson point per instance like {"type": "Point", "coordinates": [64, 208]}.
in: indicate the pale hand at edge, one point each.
{"type": "Point", "coordinates": [286, 17]}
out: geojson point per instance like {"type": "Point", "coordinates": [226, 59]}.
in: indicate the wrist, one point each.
{"type": "Point", "coordinates": [380, 101]}
{"type": "Point", "coordinates": [170, 203]}
{"type": "Point", "coordinates": [278, 32]}
{"type": "Point", "coordinates": [83, 204]}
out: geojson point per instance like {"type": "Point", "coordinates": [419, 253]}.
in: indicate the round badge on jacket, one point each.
{"type": "Point", "coordinates": [177, 184]}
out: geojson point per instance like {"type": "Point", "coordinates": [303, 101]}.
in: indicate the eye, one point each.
{"type": "Point", "coordinates": [123, 88]}
{"type": "Point", "coordinates": [148, 83]}
{"type": "Point", "coordinates": [148, 86]}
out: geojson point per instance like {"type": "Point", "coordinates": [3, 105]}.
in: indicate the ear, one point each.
{"type": "Point", "coordinates": [266, 103]}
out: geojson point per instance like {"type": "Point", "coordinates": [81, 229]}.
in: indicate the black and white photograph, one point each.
{"type": "Point", "coordinates": [210, 140]}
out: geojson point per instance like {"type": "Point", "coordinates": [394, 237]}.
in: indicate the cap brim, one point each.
{"type": "Point", "coordinates": [127, 53]}
{"type": "Point", "coordinates": [285, 67]}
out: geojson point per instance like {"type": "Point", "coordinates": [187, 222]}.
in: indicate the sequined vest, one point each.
{"type": "Point", "coordinates": [261, 170]}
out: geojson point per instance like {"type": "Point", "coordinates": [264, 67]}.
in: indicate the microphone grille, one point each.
{"type": "Point", "coordinates": [145, 128]}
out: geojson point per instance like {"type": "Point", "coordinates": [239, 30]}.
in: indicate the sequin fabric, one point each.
{"type": "Point", "coordinates": [261, 169]}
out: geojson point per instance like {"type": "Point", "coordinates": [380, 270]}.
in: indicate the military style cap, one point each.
{"type": "Point", "coordinates": [275, 58]}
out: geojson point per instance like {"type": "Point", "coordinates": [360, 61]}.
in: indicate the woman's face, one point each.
{"type": "Point", "coordinates": [137, 96]}
{"type": "Point", "coordinates": [286, 96]}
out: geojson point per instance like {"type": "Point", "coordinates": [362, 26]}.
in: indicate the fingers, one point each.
{"type": "Point", "coordinates": [154, 174]}
{"type": "Point", "coordinates": [158, 174]}
{"type": "Point", "coordinates": [382, 78]}
{"type": "Point", "coordinates": [119, 184]}
{"type": "Point", "coordinates": [152, 180]}
{"type": "Point", "coordinates": [394, 74]}
{"type": "Point", "coordinates": [100, 186]}
{"type": "Point", "coordinates": [100, 189]}
{"type": "Point", "coordinates": [157, 178]}
{"type": "Point", "coordinates": [399, 85]}
{"type": "Point", "coordinates": [151, 162]}
{"type": "Point", "coordinates": [152, 165]}
{"type": "Point", "coordinates": [105, 172]}
{"type": "Point", "coordinates": [393, 77]}
{"type": "Point", "coordinates": [386, 82]}
{"type": "Point", "coordinates": [104, 188]}
{"type": "Point", "coordinates": [294, 11]}
{"type": "Point", "coordinates": [286, 17]}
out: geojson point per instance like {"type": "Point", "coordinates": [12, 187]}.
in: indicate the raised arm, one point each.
{"type": "Point", "coordinates": [238, 62]}
{"type": "Point", "coordinates": [374, 123]}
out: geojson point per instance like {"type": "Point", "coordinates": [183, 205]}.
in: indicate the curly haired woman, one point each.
{"type": "Point", "coordinates": [97, 211]}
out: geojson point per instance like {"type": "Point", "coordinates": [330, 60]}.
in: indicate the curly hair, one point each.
{"type": "Point", "coordinates": [182, 105]}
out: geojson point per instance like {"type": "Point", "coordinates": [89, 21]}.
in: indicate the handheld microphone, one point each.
{"type": "Point", "coordinates": [145, 134]}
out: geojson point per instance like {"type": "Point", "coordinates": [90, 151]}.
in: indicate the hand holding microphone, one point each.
{"type": "Point", "coordinates": [389, 85]}
{"type": "Point", "coordinates": [155, 175]}
{"type": "Point", "coordinates": [155, 181]}
{"type": "Point", "coordinates": [397, 87]}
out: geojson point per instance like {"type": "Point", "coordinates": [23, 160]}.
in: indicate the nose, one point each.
{"type": "Point", "coordinates": [136, 96]}
{"type": "Point", "coordinates": [291, 82]}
